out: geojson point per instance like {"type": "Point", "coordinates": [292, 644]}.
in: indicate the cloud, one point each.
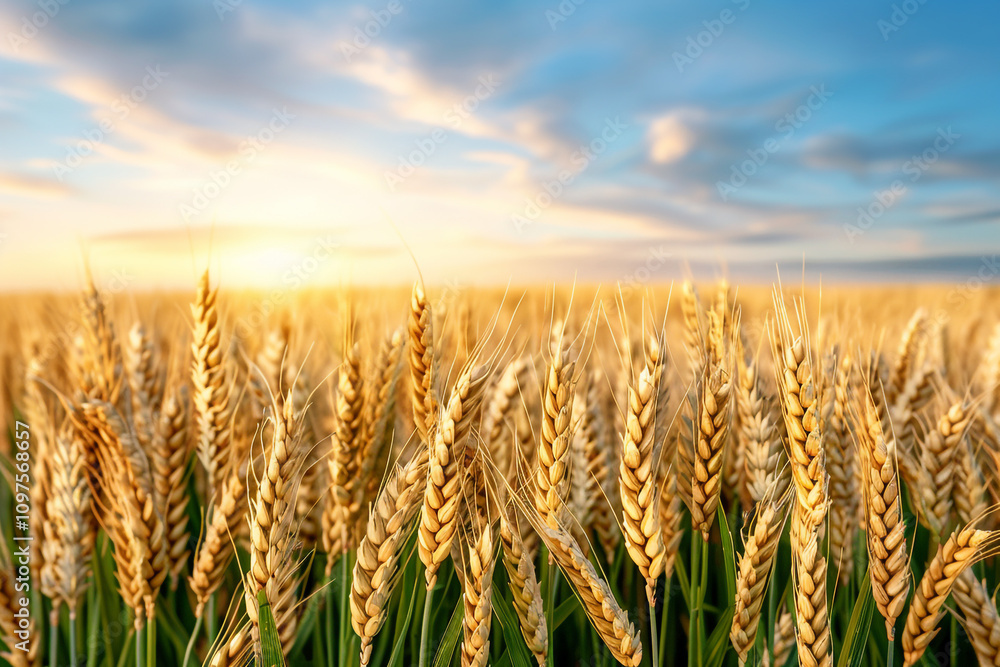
{"type": "Point", "coordinates": [670, 139]}
{"type": "Point", "coordinates": [31, 186]}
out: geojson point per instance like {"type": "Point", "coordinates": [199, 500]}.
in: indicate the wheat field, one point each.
{"type": "Point", "coordinates": [686, 474]}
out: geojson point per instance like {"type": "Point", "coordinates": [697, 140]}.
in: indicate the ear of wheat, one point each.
{"type": "Point", "coordinates": [141, 367]}
{"type": "Point", "coordinates": [711, 434]}
{"type": "Point", "coordinates": [422, 370]}
{"type": "Point", "coordinates": [69, 529]}
{"type": "Point", "coordinates": [376, 571]}
{"type": "Point", "coordinates": [937, 459]}
{"type": "Point", "coordinates": [906, 354]}
{"type": "Point", "coordinates": [799, 406]}
{"type": "Point", "coordinates": [963, 548]}
{"type": "Point", "coordinates": [608, 618]}
{"type": "Point", "coordinates": [380, 416]}
{"type": "Point", "coordinates": [131, 518]}
{"type": "Point", "coordinates": [886, 532]}
{"type": "Point", "coordinates": [272, 530]}
{"type": "Point", "coordinates": [209, 381]}
{"type": "Point", "coordinates": [754, 572]}
{"type": "Point", "coordinates": [477, 601]}
{"type": "Point", "coordinates": [637, 477]}
{"type": "Point", "coordinates": [554, 455]}
{"type": "Point", "coordinates": [979, 611]}
{"type": "Point", "coordinates": [841, 464]}
{"type": "Point", "coordinates": [439, 516]}
{"type": "Point", "coordinates": [524, 586]}
{"type": "Point", "coordinates": [344, 462]}
{"type": "Point", "coordinates": [498, 413]}
{"type": "Point", "coordinates": [170, 453]}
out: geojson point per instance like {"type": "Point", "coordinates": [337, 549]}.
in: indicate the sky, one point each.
{"type": "Point", "coordinates": [306, 143]}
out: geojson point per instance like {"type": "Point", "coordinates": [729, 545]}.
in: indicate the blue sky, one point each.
{"type": "Point", "coordinates": [500, 141]}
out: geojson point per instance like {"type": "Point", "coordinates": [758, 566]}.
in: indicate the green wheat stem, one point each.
{"type": "Point", "coordinates": [140, 656]}
{"type": "Point", "coordinates": [329, 623]}
{"type": "Point", "coordinates": [54, 637]}
{"type": "Point", "coordinates": [344, 590]}
{"type": "Point", "coordinates": [550, 603]}
{"type": "Point", "coordinates": [425, 628]}
{"type": "Point", "coordinates": [194, 638]}
{"type": "Point", "coordinates": [211, 624]}
{"type": "Point", "coordinates": [72, 637]}
{"type": "Point", "coordinates": [151, 643]}
{"type": "Point", "coordinates": [663, 623]}
{"type": "Point", "coordinates": [655, 653]}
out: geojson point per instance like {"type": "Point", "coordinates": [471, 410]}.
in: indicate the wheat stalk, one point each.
{"type": "Point", "coordinates": [376, 571]}
{"type": "Point", "coordinates": [982, 623]}
{"type": "Point", "coordinates": [69, 530]}
{"type": "Point", "coordinates": [477, 601]}
{"type": "Point", "coordinates": [131, 518]}
{"type": "Point", "coordinates": [422, 363]}
{"type": "Point", "coordinates": [711, 433]}
{"type": "Point", "coordinates": [524, 586]}
{"type": "Point", "coordinates": [343, 502]}
{"type": "Point", "coordinates": [272, 527]}
{"type": "Point", "coordinates": [637, 475]}
{"type": "Point", "coordinates": [439, 516]}
{"type": "Point", "coordinates": [886, 532]}
{"type": "Point", "coordinates": [554, 456]}
{"type": "Point", "coordinates": [800, 406]}
{"type": "Point", "coordinates": [208, 378]}
{"type": "Point", "coordinates": [754, 571]}
{"type": "Point", "coordinates": [937, 458]}
{"type": "Point", "coordinates": [963, 548]}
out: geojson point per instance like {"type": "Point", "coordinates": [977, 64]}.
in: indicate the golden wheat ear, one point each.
{"type": "Point", "coordinates": [886, 534]}
{"type": "Point", "coordinates": [754, 571]}
{"type": "Point", "coordinates": [344, 462]}
{"type": "Point", "coordinates": [607, 617]}
{"type": "Point", "coordinates": [377, 569]}
{"type": "Point", "coordinates": [964, 547]}
{"type": "Point", "coordinates": [637, 474]}
{"type": "Point", "coordinates": [800, 406]}
{"type": "Point", "coordinates": [440, 513]}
